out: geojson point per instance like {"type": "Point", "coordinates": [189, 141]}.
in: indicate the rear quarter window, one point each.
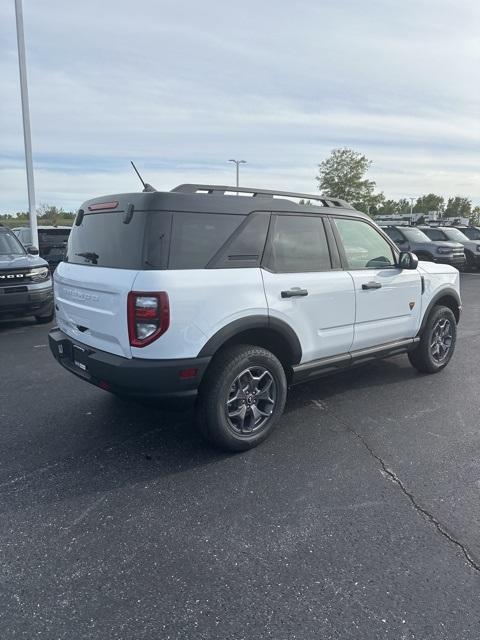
{"type": "Point", "coordinates": [197, 237]}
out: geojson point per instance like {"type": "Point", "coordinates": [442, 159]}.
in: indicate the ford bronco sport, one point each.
{"type": "Point", "coordinates": [228, 295]}
{"type": "Point", "coordinates": [25, 283]}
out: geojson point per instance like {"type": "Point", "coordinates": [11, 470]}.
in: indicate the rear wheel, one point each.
{"type": "Point", "coordinates": [241, 398]}
{"type": "Point", "coordinates": [437, 342]}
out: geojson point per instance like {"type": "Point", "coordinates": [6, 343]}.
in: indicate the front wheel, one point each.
{"type": "Point", "coordinates": [241, 398]}
{"type": "Point", "coordinates": [437, 343]}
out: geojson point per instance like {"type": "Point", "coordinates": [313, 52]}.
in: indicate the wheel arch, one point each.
{"type": "Point", "coordinates": [447, 298]}
{"type": "Point", "coordinates": [270, 333]}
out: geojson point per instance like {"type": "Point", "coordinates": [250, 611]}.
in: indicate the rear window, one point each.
{"type": "Point", "coordinates": [104, 240]}
{"type": "Point", "coordinates": [196, 238]}
{"type": "Point", "coordinates": [52, 237]}
{"type": "Point", "coordinates": [151, 240]}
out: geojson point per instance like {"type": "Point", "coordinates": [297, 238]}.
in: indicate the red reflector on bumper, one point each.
{"type": "Point", "coordinates": [186, 374]}
{"type": "Point", "coordinates": [103, 384]}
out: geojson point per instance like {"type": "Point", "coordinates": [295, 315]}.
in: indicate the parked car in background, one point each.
{"type": "Point", "coordinates": [413, 239]}
{"type": "Point", "coordinates": [25, 282]}
{"type": "Point", "coordinates": [451, 234]}
{"type": "Point", "coordinates": [52, 242]}
{"type": "Point", "coordinates": [472, 233]}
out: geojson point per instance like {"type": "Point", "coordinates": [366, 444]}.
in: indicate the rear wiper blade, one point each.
{"type": "Point", "coordinates": [90, 256]}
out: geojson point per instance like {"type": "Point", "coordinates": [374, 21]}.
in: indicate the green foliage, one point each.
{"type": "Point", "coordinates": [458, 207]}
{"type": "Point", "coordinates": [475, 217]}
{"type": "Point", "coordinates": [342, 175]}
{"type": "Point", "coordinates": [430, 202]}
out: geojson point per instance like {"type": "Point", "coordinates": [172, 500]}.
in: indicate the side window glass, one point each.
{"type": "Point", "coordinates": [394, 234]}
{"type": "Point", "coordinates": [299, 245]}
{"type": "Point", "coordinates": [435, 234]}
{"type": "Point", "coordinates": [364, 247]}
{"type": "Point", "coordinates": [196, 237]}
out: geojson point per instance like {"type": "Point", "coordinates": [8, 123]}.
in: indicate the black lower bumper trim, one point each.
{"type": "Point", "coordinates": [135, 377]}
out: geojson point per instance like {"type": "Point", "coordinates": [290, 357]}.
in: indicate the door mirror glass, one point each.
{"type": "Point", "coordinates": [407, 260]}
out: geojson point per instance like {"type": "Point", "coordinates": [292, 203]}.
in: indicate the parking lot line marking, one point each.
{"type": "Point", "coordinates": [321, 405]}
{"type": "Point", "coordinates": [39, 346]}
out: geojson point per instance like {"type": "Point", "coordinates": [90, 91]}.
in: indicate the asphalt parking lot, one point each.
{"type": "Point", "coordinates": [357, 519]}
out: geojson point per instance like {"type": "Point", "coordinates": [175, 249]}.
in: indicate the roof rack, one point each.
{"type": "Point", "coordinates": [224, 190]}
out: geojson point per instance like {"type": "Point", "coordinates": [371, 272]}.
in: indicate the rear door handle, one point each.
{"type": "Point", "coordinates": [372, 285]}
{"type": "Point", "coordinates": [295, 291]}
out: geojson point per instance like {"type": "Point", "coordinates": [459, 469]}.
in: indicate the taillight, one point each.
{"type": "Point", "coordinates": [148, 316]}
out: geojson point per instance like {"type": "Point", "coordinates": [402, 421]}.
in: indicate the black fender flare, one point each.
{"type": "Point", "coordinates": [251, 323]}
{"type": "Point", "coordinates": [444, 293]}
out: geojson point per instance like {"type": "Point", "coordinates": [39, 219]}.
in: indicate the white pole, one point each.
{"type": "Point", "coordinates": [27, 137]}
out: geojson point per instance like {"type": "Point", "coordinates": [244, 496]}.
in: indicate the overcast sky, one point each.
{"type": "Point", "coordinates": [182, 86]}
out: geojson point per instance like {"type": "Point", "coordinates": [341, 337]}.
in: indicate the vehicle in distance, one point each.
{"type": "Point", "coordinates": [451, 234]}
{"type": "Point", "coordinates": [52, 242]}
{"type": "Point", "coordinates": [200, 294]}
{"type": "Point", "coordinates": [25, 283]}
{"type": "Point", "coordinates": [472, 233]}
{"type": "Point", "coordinates": [415, 240]}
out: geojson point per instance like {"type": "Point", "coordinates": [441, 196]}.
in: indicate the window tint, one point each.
{"type": "Point", "coordinates": [435, 234]}
{"type": "Point", "coordinates": [364, 247]}
{"type": "Point", "coordinates": [9, 245]}
{"type": "Point", "coordinates": [471, 232]}
{"type": "Point", "coordinates": [298, 245]}
{"type": "Point", "coordinates": [103, 240]}
{"type": "Point", "coordinates": [394, 234]}
{"type": "Point", "coordinates": [196, 237]}
{"type": "Point", "coordinates": [245, 247]}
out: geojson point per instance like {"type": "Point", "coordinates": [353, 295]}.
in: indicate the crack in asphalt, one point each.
{"type": "Point", "coordinates": [393, 476]}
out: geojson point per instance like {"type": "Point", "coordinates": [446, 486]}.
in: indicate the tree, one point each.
{"type": "Point", "coordinates": [342, 175]}
{"type": "Point", "coordinates": [458, 207]}
{"type": "Point", "coordinates": [475, 217]}
{"type": "Point", "coordinates": [430, 202]}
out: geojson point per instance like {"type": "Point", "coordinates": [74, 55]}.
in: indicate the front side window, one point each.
{"type": "Point", "coordinates": [365, 247]}
{"type": "Point", "coordinates": [298, 245]}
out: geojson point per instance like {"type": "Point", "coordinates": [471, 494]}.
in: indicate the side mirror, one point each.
{"type": "Point", "coordinates": [33, 251]}
{"type": "Point", "coordinates": [407, 260]}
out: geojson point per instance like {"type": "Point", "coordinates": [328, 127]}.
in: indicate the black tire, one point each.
{"type": "Point", "coordinates": [470, 263]}
{"type": "Point", "coordinates": [222, 395]}
{"type": "Point", "coordinates": [45, 319]}
{"type": "Point", "coordinates": [430, 356]}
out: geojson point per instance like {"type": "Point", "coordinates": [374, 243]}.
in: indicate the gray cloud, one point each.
{"type": "Point", "coordinates": [183, 86]}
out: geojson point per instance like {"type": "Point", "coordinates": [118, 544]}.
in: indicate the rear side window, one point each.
{"type": "Point", "coordinates": [298, 244]}
{"type": "Point", "coordinates": [197, 237]}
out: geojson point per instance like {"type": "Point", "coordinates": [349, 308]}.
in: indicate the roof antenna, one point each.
{"type": "Point", "coordinates": [146, 187]}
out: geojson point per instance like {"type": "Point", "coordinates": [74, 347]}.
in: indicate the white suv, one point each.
{"type": "Point", "coordinates": [228, 296]}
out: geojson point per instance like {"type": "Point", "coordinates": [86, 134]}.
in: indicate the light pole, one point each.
{"type": "Point", "coordinates": [27, 137]}
{"type": "Point", "coordinates": [237, 164]}
{"type": "Point", "coordinates": [412, 200]}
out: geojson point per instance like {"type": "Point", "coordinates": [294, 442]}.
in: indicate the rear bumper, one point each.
{"type": "Point", "coordinates": [134, 377]}
{"type": "Point", "coordinates": [24, 300]}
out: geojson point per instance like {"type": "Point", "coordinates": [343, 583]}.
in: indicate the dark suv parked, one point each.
{"type": "Point", "coordinates": [52, 242]}
{"type": "Point", "coordinates": [446, 235]}
{"type": "Point", "coordinates": [413, 239]}
{"type": "Point", "coordinates": [25, 282]}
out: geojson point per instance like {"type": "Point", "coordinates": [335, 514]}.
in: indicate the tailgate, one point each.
{"type": "Point", "coordinates": [91, 305]}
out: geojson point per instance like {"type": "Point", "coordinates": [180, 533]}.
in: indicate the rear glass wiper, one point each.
{"type": "Point", "coordinates": [89, 256]}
